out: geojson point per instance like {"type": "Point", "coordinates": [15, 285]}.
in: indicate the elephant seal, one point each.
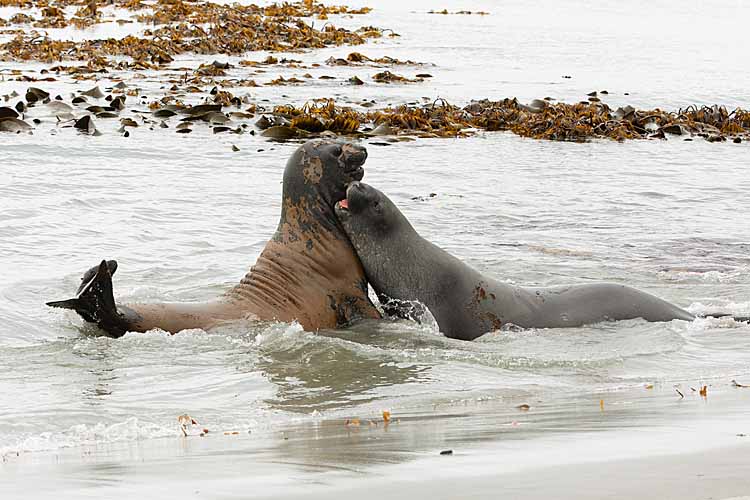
{"type": "Point", "coordinates": [400, 264]}
{"type": "Point", "coordinates": [307, 272]}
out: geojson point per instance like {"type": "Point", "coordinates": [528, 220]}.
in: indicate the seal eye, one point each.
{"type": "Point", "coordinates": [337, 150]}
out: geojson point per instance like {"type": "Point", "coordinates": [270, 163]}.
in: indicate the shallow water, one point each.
{"type": "Point", "coordinates": [185, 217]}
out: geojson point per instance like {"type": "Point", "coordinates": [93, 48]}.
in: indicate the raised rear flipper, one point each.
{"type": "Point", "coordinates": [111, 265]}
{"type": "Point", "coordinates": [95, 302]}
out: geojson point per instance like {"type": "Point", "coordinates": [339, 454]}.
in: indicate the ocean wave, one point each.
{"type": "Point", "coordinates": [727, 276]}
{"type": "Point", "coordinates": [129, 430]}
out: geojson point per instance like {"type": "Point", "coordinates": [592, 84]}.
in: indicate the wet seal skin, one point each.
{"type": "Point", "coordinates": [402, 265]}
{"type": "Point", "coordinates": [307, 272]}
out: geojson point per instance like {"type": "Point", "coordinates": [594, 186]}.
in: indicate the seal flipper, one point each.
{"type": "Point", "coordinates": [95, 301]}
{"type": "Point", "coordinates": [111, 265]}
{"type": "Point", "coordinates": [402, 309]}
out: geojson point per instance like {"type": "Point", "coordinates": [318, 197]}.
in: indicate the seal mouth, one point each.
{"type": "Point", "coordinates": [356, 173]}
{"type": "Point", "coordinates": [352, 202]}
{"type": "Point", "coordinates": [353, 158]}
{"type": "Point", "coordinates": [342, 206]}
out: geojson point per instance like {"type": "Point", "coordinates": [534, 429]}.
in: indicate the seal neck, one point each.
{"type": "Point", "coordinates": [308, 272]}
{"type": "Point", "coordinates": [305, 217]}
{"type": "Point", "coordinates": [318, 282]}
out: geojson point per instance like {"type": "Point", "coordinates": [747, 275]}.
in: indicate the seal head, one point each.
{"type": "Point", "coordinates": [384, 240]}
{"type": "Point", "coordinates": [316, 177]}
{"type": "Point", "coordinates": [368, 216]}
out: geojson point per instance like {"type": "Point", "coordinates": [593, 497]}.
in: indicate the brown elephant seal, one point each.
{"type": "Point", "coordinates": [307, 272]}
{"type": "Point", "coordinates": [400, 264]}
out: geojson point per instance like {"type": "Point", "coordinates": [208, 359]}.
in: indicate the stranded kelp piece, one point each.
{"type": "Point", "coordinates": [308, 272]}
{"type": "Point", "coordinates": [320, 116]}
{"type": "Point", "coordinates": [359, 59]}
{"type": "Point", "coordinates": [204, 28]}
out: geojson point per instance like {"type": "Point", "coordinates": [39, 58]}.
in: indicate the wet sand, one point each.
{"type": "Point", "coordinates": [720, 473]}
{"type": "Point", "coordinates": [717, 473]}
{"type": "Point", "coordinates": [689, 448]}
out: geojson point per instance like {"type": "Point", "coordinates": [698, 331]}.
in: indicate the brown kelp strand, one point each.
{"type": "Point", "coordinates": [359, 59]}
{"type": "Point", "coordinates": [176, 27]}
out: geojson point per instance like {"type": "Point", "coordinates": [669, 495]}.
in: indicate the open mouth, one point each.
{"type": "Point", "coordinates": [343, 204]}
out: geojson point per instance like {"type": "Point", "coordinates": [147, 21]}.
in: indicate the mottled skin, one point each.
{"type": "Point", "coordinates": [307, 272]}
{"type": "Point", "coordinates": [402, 265]}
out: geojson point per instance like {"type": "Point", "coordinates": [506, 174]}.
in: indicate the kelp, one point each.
{"type": "Point", "coordinates": [578, 122]}
{"type": "Point", "coordinates": [586, 120]}
{"type": "Point", "coordinates": [459, 12]}
{"type": "Point", "coordinates": [359, 59]}
{"type": "Point", "coordinates": [540, 119]}
{"type": "Point", "coordinates": [178, 27]}
{"type": "Point", "coordinates": [321, 116]}
{"type": "Point", "coordinates": [388, 77]}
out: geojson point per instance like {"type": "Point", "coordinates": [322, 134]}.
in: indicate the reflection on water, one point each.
{"type": "Point", "coordinates": [316, 373]}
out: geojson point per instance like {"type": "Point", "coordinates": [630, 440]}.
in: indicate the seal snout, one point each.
{"type": "Point", "coordinates": [353, 157]}
{"type": "Point", "coordinates": [356, 197]}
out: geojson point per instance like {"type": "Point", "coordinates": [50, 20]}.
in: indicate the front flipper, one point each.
{"type": "Point", "coordinates": [402, 309]}
{"type": "Point", "coordinates": [95, 302]}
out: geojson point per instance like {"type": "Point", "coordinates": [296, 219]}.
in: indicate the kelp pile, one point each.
{"type": "Point", "coordinates": [317, 117]}
{"type": "Point", "coordinates": [178, 27]}
{"type": "Point", "coordinates": [593, 119]}
{"type": "Point", "coordinates": [541, 119]}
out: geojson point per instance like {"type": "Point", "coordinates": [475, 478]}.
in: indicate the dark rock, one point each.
{"type": "Point", "coordinates": [86, 125]}
{"type": "Point", "coordinates": [6, 112]}
{"type": "Point", "coordinates": [34, 94]}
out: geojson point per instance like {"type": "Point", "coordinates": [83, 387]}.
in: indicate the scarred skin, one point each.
{"type": "Point", "coordinates": [307, 272]}
{"type": "Point", "coordinates": [402, 265]}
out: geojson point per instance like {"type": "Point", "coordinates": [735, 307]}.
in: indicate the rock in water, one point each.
{"type": "Point", "coordinates": [86, 125]}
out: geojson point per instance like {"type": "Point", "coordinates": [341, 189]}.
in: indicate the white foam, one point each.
{"type": "Point", "coordinates": [732, 308]}
{"type": "Point", "coordinates": [718, 277]}
{"type": "Point", "coordinates": [131, 429]}
{"type": "Point", "coordinates": [710, 323]}
{"type": "Point", "coordinates": [279, 331]}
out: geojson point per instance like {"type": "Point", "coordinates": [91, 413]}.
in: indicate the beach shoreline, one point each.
{"type": "Point", "coordinates": [694, 450]}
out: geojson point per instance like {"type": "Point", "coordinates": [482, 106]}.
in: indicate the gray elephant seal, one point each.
{"type": "Point", "coordinates": [307, 272]}
{"type": "Point", "coordinates": [402, 265]}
